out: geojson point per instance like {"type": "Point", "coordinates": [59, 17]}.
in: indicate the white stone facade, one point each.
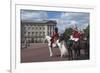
{"type": "Point", "coordinates": [35, 32]}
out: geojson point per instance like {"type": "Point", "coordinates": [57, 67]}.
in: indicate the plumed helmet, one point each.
{"type": "Point", "coordinates": [56, 29]}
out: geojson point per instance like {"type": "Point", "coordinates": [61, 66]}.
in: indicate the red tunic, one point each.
{"type": "Point", "coordinates": [54, 37]}
{"type": "Point", "coordinates": [76, 34]}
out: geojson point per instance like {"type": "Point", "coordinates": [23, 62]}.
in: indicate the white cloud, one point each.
{"type": "Point", "coordinates": [73, 22]}
{"type": "Point", "coordinates": [72, 19]}
{"type": "Point", "coordinates": [64, 15]}
{"type": "Point", "coordinates": [67, 19]}
{"type": "Point", "coordinates": [33, 15]}
{"type": "Point", "coordinates": [83, 26]}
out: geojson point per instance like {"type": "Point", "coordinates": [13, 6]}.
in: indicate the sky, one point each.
{"type": "Point", "coordinates": [64, 19]}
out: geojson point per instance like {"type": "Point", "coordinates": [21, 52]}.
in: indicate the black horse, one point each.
{"type": "Point", "coordinates": [84, 45]}
{"type": "Point", "coordinates": [74, 47]}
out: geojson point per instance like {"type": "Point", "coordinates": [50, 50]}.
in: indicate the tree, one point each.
{"type": "Point", "coordinates": [68, 32]}
{"type": "Point", "coordinates": [86, 31]}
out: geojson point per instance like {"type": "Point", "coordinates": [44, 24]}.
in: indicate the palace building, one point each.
{"type": "Point", "coordinates": [35, 31]}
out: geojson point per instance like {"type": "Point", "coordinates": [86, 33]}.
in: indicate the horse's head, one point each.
{"type": "Point", "coordinates": [47, 38]}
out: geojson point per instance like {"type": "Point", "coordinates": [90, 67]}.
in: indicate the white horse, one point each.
{"type": "Point", "coordinates": [61, 46]}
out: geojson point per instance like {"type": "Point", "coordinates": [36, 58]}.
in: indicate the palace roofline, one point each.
{"type": "Point", "coordinates": [38, 22]}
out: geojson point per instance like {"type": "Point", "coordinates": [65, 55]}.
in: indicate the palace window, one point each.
{"type": "Point", "coordinates": [43, 28]}
{"type": "Point", "coordinates": [40, 28]}
{"type": "Point", "coordinates": [43, 33]}
{"type": "Point", "coordinates": [40, 33]}
{"type": "Point", "coordinates": [29, 28]}
{"type": "Point", "coordinates": [36, 28]}
{"type": "Point", "coordinates": [28, 33]}
{"type": "Point", "coordinates": [32, 33]}
{"type": "Point", "coordinates": [32, 27]}
{"type": "Point", "coordinates": [36, 33]}
{"type": "Point", "coordinates": [24, 32]}
{"type": "Point", "coordinates": [24, 28]}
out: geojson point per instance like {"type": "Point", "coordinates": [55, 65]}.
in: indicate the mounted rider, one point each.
{"type": "Point", "coordinates": [54, 36]}
{"type": "Point", "coordinates": [75, 34]}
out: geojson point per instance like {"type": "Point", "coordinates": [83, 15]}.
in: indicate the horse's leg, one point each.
{"type": "Point", "coordinates": [64, 51]}
{"type": "Point", "coordinates": [77, 53]}
{"type": "Point", "coordinates": [61, 56]}
{"type": "Point", "coordinates": [61, 50]}
{"type": "Point", "coordinates": [50, 50]}
{"type": "Point", "coordinates": [71, 54]}
{"type": "Point", "coordinates": [61, 53]}
{"type": "Point", "coordinates": [59, 47]}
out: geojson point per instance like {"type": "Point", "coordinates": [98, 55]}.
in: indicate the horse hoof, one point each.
{"type": "Point", "coordinates": [61, 56]}
{"type": "Point", "coordinates": [51, 55]}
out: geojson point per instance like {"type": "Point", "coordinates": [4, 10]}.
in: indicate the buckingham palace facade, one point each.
{"type": "Point", "coordinates": [35, 31]}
